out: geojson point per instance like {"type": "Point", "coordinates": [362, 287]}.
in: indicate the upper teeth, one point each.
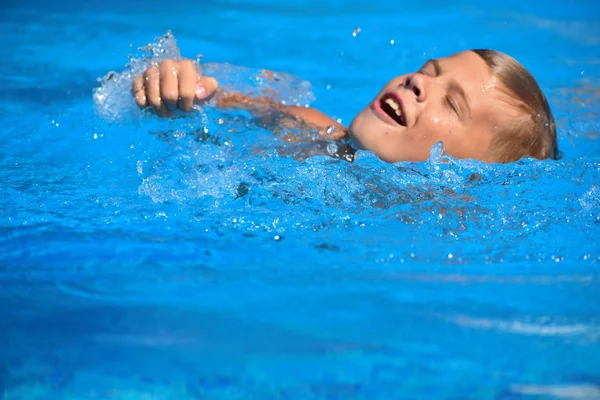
{"type": "Point", "coordinates": [395, 106]}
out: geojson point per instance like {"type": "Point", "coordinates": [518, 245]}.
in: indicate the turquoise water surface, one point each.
{"type": "Point", "coordinates": [203, 258]}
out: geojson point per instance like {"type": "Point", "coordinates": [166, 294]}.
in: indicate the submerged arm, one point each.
{"type": "Point", "coordinates": [265, 107]}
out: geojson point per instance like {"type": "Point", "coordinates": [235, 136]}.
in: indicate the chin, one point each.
{"type": "Point", "coordinates": [359, 130]}
{"type": "Point", "coordinates": [354, 136]}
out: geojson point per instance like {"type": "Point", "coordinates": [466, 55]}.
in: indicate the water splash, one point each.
{"type": "Point", "coordinates": [114, 103]}
{"type": "Point", "coordinates": [113, 100]}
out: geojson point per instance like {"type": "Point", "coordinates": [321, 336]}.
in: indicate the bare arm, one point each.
{"type": "Point", "coordinates": [178, 85]}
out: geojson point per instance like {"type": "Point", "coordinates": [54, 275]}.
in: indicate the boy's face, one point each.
{"type": "Point", "coordinates": [455, 100]}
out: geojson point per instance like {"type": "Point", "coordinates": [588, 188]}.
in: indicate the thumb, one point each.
{"type": "Point", "coordinates": [205, 88]}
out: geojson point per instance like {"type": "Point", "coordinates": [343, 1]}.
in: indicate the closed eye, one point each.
{"type": "Point", "coordinates": [452, 104]}
{"type": "Point", "coordinates": [426, 68]}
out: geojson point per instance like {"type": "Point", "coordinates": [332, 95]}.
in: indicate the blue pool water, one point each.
{"type": "Point", "coordinates": [190, 259]}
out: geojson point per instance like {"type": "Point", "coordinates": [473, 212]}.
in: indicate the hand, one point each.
{"type": "Point", "coordinates": [171, 85]}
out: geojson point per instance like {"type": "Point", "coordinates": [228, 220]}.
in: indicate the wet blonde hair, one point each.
{"type": "Point", "coordinates": [533, 133]}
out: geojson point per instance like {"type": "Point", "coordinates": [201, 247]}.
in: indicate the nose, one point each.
{"type": "Point", "coordinates": [417, 83]}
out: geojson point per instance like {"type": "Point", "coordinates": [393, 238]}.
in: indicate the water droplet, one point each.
{"type": "Point", "coordinates": [356, 31]}
{"type": "Point", "coordinates": [332, 148]}
{"type": "Point", "coordinates": [392, 41]}
{"type": "Point", "coordinates": [330, 129]}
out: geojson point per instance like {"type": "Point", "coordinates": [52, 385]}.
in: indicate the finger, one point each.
{"type": "Point", "coordinates": [205, 88]}
{"type": "Point", "coordinates": [151, 80]}
{"type": "Point", "coordinates": [137, 88]}
{"type": "Point", "coordinates": [169, 90]}
{"type": "Point", "coordinates": [188, 76]}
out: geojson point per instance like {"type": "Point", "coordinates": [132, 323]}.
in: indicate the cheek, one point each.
{"type": "Point", "coordinates": [456, 138]}
{"type": "Point", "coordinates": [439, 125]}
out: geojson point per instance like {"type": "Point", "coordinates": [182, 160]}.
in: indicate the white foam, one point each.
{"type": "Point", "coordinates": [588, 392]}
{"type": "Point", "coordinates": [590, 199]}
{"type": "Point", "coordinates": [528, 328]}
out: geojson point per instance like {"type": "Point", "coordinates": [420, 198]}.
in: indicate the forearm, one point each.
{"type": "Point", "coordinates": [266, 107]}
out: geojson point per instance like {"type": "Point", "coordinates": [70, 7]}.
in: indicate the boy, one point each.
{"type": "Point", "coordinates": [481, 104]}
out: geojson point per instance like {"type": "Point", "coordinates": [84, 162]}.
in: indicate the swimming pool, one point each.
{"type": "Point", "coordinates": [140, 260]}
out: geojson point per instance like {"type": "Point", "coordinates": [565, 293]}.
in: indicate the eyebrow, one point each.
{"type": "Point", "coordinates": [453, 85]}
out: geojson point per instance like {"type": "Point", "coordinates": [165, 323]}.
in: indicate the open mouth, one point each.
{"type": "Point", "coordinates": [391, 106]}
